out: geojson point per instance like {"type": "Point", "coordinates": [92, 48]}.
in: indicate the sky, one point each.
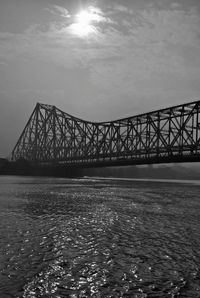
{"type": "Point", "coordinates": [98, 60]}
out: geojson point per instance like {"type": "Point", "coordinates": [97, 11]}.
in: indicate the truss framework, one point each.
{"type": "Point", "coordinates": [52, 136]}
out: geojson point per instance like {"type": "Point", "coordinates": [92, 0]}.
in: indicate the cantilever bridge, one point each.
{"type": "Point", "coordinates": [52, 136]}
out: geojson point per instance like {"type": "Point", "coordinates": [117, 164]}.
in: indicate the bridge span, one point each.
{"type": "Point", "coordinates": [53, 137]}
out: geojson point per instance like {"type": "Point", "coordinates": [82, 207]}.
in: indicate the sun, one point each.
{"type": "Point", "coordinates": [84, 23]}
{"type": "Point", "coordinates": [84, 18]}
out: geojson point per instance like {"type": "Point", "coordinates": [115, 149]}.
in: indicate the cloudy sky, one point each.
{"type": "Point", "coordinates": [98, 60]}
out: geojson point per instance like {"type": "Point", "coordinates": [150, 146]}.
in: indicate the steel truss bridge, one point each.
{"type": "Point", "coordinates": [52, 136]}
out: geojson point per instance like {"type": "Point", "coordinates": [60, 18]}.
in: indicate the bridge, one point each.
{"type": "Point", "coordinates": [53, 137]}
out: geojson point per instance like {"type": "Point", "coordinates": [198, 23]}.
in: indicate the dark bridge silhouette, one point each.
{"type": "Point", "coordinates": [53, 137]}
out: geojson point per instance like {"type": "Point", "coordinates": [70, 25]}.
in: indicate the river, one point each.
{"type": "Point", "coordinates": [99, 238]}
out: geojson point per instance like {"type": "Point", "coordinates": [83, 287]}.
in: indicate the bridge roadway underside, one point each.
{"type": "Point", "coordinates": [126, 162]}
{"type": "Point", "coordinates": [75, 169]}
{"type": "Point", "coordinates": [57, 169]}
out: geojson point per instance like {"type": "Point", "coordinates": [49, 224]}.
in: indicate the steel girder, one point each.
{"type": "Point", "coordinates": [51, 135]}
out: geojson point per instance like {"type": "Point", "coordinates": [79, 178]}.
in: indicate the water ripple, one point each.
{"type": "Point", "coordinates": [85, 238]}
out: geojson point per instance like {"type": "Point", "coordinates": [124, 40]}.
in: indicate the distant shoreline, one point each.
{"type": "Point", "coordinates": [188, 181]}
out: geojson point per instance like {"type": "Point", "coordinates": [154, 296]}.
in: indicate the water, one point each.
{"type": "Point", "coordinates": [98, 238]}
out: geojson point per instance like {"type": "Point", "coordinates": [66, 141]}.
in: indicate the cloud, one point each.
{"type": "Point", "coordinates": [157, 58]}
{"type": "Point", "coordinates": [155, 33]}
{"type": "Point", "coordinates": [175, 5]}
{"type": "Point", "coordinates": [56, 9]}
{"type": "Point", "coordinates": [99, 16]}
{"type": "Point", "coordinates": [143, 57]}
{"type": "Point", "coordinates": [122, 8]}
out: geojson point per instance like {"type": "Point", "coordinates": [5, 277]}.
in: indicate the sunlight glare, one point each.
{"type": "Point", "coordinates": [84, 18]}
{"type": "Point", "coordinates": [83, 25]}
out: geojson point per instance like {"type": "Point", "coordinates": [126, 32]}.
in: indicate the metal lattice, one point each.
{"type": "Point", "coordinates": [52, 136]}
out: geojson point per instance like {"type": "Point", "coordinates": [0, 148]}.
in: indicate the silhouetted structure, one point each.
{"type": "Point", "coordinates": [52, 137]}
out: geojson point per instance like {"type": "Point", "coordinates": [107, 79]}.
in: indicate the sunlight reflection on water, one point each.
{"type": "Point", "coordinates": [98, 238]}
